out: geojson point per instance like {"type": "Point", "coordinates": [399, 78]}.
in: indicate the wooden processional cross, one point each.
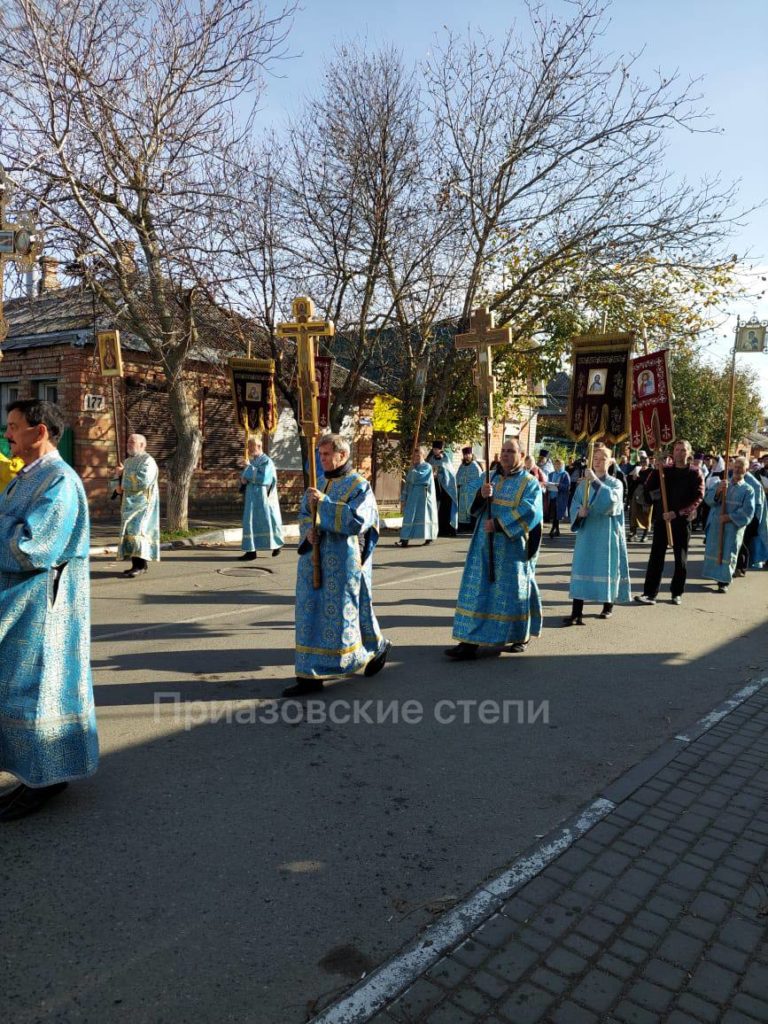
{"type": "Point", "coordinates": [482, 336]}
{"type": "Point", "coordinates": [17, 244]}
{"type": "Point", "coordinates": [305, 328]}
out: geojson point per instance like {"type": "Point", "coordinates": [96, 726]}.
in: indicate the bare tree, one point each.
{"type": "Point", "coordinates": [119, 119]}
{"type": "Point", "coordinates": [555, 157]}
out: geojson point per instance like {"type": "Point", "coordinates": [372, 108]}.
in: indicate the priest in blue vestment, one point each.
{"type": "Point", "coordinates": [336, 629]}
{"type": "Point", "coordinates": [47, 722]}
{"type": "Point", "coordinates": [262, 521]}
{"type": "Point", "coordinates": [468, 476]}
{"type": "Point", "coordinates": [445, 490]}
{"type": "Point", "coordinates": [558, 490]}
{"type": "Point", "coordinates": [140, 510]}
{"type": "Point", "coordinates": [506, 612]}
{"type": "Point", "coordinates": [739, 510]}
{"type": "Point", "coordinates": [419, 502]}
{"type": "Point", "coordinates": [754, 547]}
{"type": "Point", "coordinates": [600, 569]}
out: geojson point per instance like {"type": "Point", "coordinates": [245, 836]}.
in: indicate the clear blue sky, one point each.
{"type": "Point", "coordinates": [724, 43]}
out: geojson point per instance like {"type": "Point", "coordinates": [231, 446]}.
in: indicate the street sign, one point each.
{"type": "Point", "coordinates": [94, 404]}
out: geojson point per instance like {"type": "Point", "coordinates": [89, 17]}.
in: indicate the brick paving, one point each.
{"type": "Point", "coordinates": [659, 913]}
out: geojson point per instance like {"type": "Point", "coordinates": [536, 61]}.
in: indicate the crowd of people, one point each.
{"type": "Point", "coordinates": [47, 722]}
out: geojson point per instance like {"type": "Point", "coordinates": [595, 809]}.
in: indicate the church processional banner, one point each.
{"type": "Point", "coordinates": [653, 423]}
{"type": "Point", "coordinates": [253, 393]}
{"type": "Point", "coordinates": [599, 405]}
{"type": "Point", "coordinates": [323, 371]}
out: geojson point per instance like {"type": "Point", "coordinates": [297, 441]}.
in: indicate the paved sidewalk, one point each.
{"type": "Point", "coordinates": [658, 913]}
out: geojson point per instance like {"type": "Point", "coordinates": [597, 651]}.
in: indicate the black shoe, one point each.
{"type": "Point", "coordinates": [276, 552]}
{"type": "Point", "coordinates": [135, 572]}
{"type": "Point", "coordinates": [426, 542]}
{"type": "Point", "coordinates": [518, 648]}
{"type": "Point", "coordinates": [25, 801]}
{"type": "Point", "coordinates": [376, 664]}
{"type": "Point", "coordinates": [249, 556]}
{"type": "Point", "coordinates": [302, 687]}
{"type": "Point", "coordinates": [10, 794]}
{"type": "Point", "coordinates": [401, 543]}
{"type": "Point", "coordinates": [573, 620]}
{"type": "Point", "coordinates": [722, 588]}
{"type": "Point", "coordinates": [462, 652]}
{"type": "Point", "coordinates": [605, 615]}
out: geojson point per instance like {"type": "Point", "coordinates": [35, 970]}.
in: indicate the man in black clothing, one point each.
{"type": "Point", "coordinates": [685, 491]}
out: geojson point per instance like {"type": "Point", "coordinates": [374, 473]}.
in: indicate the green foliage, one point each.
{"type": "Point", "coordinates": [701, 394]}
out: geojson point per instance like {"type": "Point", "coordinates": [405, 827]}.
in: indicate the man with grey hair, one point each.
{"type": "Point", "coordinates": [140, 510]}
{"type": "Point", "coordinates": [336, 629]}
{"type": "Point", "coordinates": [48, 732]}
{"type": "Point", "coordinates": [685, 492]}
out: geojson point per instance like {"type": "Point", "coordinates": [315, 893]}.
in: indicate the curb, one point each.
{"type": "Point", "coordinates": [392, 978]}
{"type": "Point", "coordinates": [228, 535]}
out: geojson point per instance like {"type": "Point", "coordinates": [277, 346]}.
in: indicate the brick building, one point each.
{"type": "Point", "coordinates": [50, 353]}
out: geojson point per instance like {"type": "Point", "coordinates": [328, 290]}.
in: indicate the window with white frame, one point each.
{"type": "Point", "coordinates": [47, 390]}
{"type": "Point", "coordinates": [9, 392]}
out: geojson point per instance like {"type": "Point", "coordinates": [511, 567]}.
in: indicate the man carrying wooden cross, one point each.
{"type": "Point", "coordinates": [499, 603]}
{"type": "Point", "coordinates": [336, 629]}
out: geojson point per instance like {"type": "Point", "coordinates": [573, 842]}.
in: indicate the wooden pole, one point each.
{"type": "Point", "coordinates": [663, 487]}
{"type": "Point", "coordinates": [729, 427]}
{"type": "Point", "coordinates": [489, 501]}
{"type": "Point", "coordinates": [117, 425]}
{"type": "Point", "coordinates": [585, 495]}
{"type": "Point", "coordinates": [317, 570]}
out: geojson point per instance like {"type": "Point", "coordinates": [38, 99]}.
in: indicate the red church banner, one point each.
{"type": "Point", "coordinates": [653, 424]}
{"type": "Point", "coordinates": [601, 388]}
{"type": "Point", "coordinates": [323, 371]}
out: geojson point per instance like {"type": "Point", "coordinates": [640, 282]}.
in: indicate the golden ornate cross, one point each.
{"type": "Point", "coordinates": [305, 328]}
{"type": "Point", "coordinates": [17, 244]}
{"type": "Point", "coordinates": [482, 336]}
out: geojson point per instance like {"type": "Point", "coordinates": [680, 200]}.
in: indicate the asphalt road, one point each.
{"type": "Point", "coordinates": [225, 866]}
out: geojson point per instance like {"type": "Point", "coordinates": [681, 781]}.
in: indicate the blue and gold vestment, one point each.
{"type": "Point", "coordinates": [509, 610]}
{"type": "Point", "coordinates": [336, 629]}
{"type": "Point", "coordinates": [140, 510]}
{"type": "Point", "coordinates": [468, 475]}
{"type": "Point", "coordinates": [262, 522]}
{"type": "Point", "coordinates": [47, 720]}
{"type": "Point", "coordinates": [600, 570]}
{"type": "Point", "coordinates": [420, 504]}
{"type": "Point", "coordinates": [740, 506]}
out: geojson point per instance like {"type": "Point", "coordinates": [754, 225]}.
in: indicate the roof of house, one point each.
{"type": "Point", "coordinates": [65, 316]}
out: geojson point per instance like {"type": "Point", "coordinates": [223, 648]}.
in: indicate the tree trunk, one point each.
{"type": "Point", "coordinates": [182, 466]}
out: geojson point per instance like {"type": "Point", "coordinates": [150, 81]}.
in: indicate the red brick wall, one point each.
{"type": "Point", "coordinates": [215, 487]}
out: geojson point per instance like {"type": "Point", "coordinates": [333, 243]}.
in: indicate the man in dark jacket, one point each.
{"type": "Point", "coordinates": [685, 491]}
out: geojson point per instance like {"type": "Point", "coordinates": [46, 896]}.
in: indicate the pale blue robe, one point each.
{"type": "Point", "coordinates": [467, 477]}
{"type": "Point", "coordinates": [419, 504]}
{"type": "Point", "coordinates": [262, 522]}
{"type": "Point", "coordinates": [445, 478]}
{"type": "Point", "coordinates": [758, 547]}
{"type": "Point", "coordinates": [509, 610]}
{"type": "Point", "coordinates": [600, 570]}
{"type": "Point", "coordinates": [140, 511]}
{"type": "Point", "coordinates": [47, 720]}
{"type": "Point", "coordinates": [740, 505]}
{"type": "Point", "coordinates": [336, 629]}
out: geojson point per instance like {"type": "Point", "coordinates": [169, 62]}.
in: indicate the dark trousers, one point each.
{"type": "Point", "coordinates": [444, 509]}
{"type": "Point", "coordinates": [742, 560]}
{"type": "Point", "coordinates": [138, 563]}
{"type": "Point", "coordinates": [681, 534]}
